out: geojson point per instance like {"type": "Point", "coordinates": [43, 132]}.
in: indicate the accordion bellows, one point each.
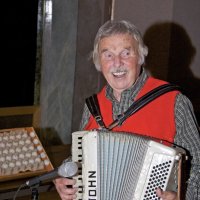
{"type": "Point", "coordinates": [122, 166]}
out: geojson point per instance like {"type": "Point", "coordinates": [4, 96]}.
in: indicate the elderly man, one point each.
{"type": "Point", "coordinates": [119, 53]}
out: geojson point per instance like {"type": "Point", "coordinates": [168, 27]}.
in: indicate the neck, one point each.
{"type": "Point", "coordinates": [117, 95]}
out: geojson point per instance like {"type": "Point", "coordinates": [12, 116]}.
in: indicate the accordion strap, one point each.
{"type": "Point", "coordinates": [142, 101]}
{"type": "Point", "coordinates": [93, 106]}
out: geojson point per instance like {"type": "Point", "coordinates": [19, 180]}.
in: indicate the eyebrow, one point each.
{"type": "Point", "coordinates": [104, 50]}
{"type": "Point", "coordinates": [128, 48]}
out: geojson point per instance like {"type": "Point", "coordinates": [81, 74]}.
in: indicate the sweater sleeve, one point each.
{"type": "Point", "coordinates": [85, 118]}
{"type": "Point", "coordinates": [187, 136]}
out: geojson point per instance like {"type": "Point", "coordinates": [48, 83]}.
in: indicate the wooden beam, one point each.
{"type": "Point", "coordinates": [21, 110]}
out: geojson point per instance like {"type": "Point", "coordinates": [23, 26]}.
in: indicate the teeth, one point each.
{"type": "Point", "coordinates": [118, 73]}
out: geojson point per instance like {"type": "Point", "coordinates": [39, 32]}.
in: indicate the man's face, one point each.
{"type": "Point", "coordinates": [119, 61]}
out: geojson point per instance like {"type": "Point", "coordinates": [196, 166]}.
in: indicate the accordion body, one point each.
{"type": "Point", "coordinates": [122, 166]}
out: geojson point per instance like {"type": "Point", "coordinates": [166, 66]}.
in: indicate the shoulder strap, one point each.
{"type": "Point", "coordinates": [142, 101]}
{"type": "Point", "coordinates": [93, 106]}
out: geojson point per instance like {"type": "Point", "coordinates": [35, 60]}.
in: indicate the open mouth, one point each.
{"type": "Point", "coordinates": [119, 74]}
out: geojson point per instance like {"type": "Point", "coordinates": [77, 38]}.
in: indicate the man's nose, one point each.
{"type": "Point", "coordinates": [117, 61]}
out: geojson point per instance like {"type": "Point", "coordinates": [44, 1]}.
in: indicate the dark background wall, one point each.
{"type": "Point", "coordinates": [18, 52]}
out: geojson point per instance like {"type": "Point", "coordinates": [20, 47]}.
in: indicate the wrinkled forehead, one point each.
{"type": "Point", "coordinates": [118, 40]}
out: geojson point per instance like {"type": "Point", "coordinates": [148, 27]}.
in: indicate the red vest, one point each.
{"type": "Point", "coordinates": [156, 119]}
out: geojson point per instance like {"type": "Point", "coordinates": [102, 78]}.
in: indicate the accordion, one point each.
{"type": "Point", "coordinates": [122, 166]}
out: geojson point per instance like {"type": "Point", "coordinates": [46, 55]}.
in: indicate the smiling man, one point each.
{"type": "Point", "coordinates": [119, 61]}
{"type": "Point", "coordinates": [119, 53]}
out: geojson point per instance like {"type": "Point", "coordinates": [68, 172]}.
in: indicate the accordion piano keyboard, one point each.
{"type": "Point", "coordinates": [77, 157]}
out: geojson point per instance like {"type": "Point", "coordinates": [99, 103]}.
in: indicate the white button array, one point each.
{"type": "Point", "coordinates": [20, 151]}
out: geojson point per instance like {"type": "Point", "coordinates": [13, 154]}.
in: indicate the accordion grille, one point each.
{"type": "Point", "coordinates": [120, 159]}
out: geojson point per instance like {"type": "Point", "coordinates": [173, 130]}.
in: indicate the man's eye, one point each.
{"type": "Point", "coordinates": [108, 55]}
{"type": "Point", "coordinates": [125, 54]}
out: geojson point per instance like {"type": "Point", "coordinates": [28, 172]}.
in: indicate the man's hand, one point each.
{"type": "Point", "coordinates": [66, 193]}
{"type": "Point", "coordinates": [166, 195]}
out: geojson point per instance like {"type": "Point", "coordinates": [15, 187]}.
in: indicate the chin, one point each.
{"type": "Point", "coordinates": [122, 88]}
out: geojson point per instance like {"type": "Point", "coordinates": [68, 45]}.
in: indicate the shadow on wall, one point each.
{"type": "Point", "coordinates": [171, 53]}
